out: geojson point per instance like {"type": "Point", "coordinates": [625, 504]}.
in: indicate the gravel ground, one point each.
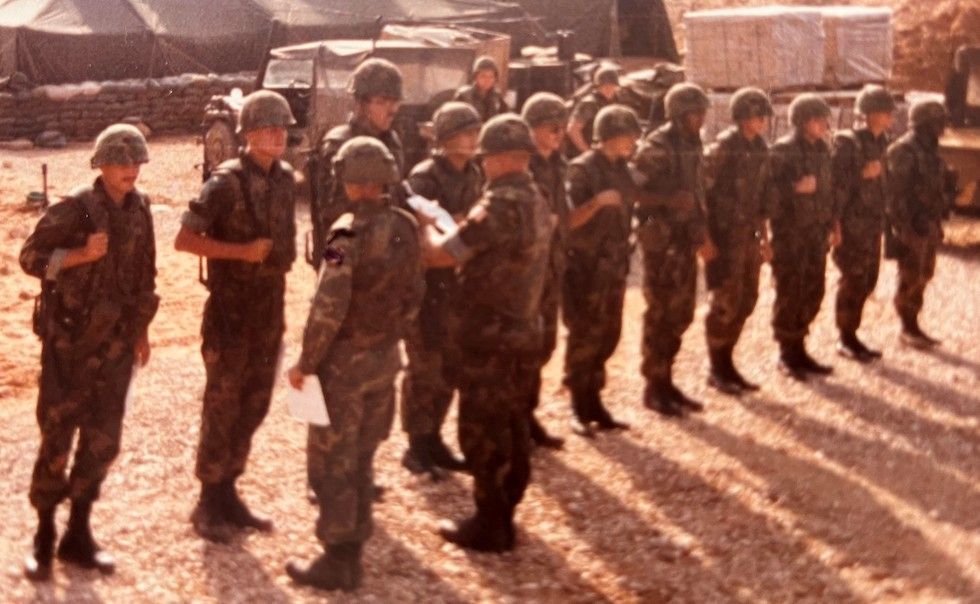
{"type": "Point", "coordinates": [860, 487]}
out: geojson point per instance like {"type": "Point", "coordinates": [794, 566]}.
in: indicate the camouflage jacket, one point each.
{"type": "Point", "coordinates": [671, 196]}
{"type": "Point", "coordinates": [791, 214]}
{"type": "Point", "coordinates": [861, 201]}
{"type": "Point", "coordinates": [487, 106]}
{"type": "Point", "coordinates": [733, 173]}
{"type": "Point", "coordinates": [605, 238]}
{"type": "Point", "coordinates": [549, 174]}
{"type": "Point", "coordinates": [330, 198]}
{"type": "Point", "coordinates": [240, 203]}
{"type": "Point", "coordinates": [585, 110]}
{"type": "Point", "coordinates": [114, 296]}
{"type": "Point", "coordinates": [502, 248]}
{"type": "Point", "coordinates": [917, 186]}
{"type": "Point", "coordinates": [370, 284]}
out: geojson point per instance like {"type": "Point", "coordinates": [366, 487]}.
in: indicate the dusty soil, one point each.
{"type": "Point", "coordinates": [926, 33]}
{"type": "Point", "coordinates": [861, 487]}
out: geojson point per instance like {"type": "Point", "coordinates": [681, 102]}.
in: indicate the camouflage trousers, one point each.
{"type": "Point", "coordinates": [592, 308]}
{"type": "Point", "coordinates": [426, 391]}
{"type": "Point", "coordinates": [550, 303]}
{"type": "Point", "coordinates": [798, 267]}
{"type": "Point", "coordinates": [242, 336]}
{"type": "Point", "coordinates": [670, 288]}
{"type": "Point", "coordinates": [916, 267]}
{"type": "Point", "coordinates": [493, 430]}
{"type": "Point", "coordinates": [733, 301]}
{"type": "Point", "coordinates": [359, 389]}
{"type": "Point", "coordinates": [91, 403]}
{"type": "Point", "coordinates": [858, 257]}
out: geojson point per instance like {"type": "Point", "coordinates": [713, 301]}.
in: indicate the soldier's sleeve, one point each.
{"type": "Point", "coordinates": [844, 163]}
{"type": "Point", "coordinates": [425, 184]}
{"type": "Point", "coordinates": [484, 227]}
{"type": "Point", "coordinates": [901, 164]}
{"type": "Point", "coordinates": [45, 249]}
{"type": "Point", "coordinates": [215, 200]}
{"type": "Point", "coordinates": [775, 184]}
{"type": "Point", "coordinates": [147, 299]}
{"type": "Point", "coordinates": [579, 187]}
{"type": "Point", "coordinates": [333, 294]}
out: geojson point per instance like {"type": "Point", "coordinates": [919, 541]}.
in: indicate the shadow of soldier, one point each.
{"type": "Point", "coordinates": [944, 395]}
{"type": "Point", "coordinates": [235, 575]}
{"type": "Point", "coordinates": [842, 513]}
{"type": "Point", "coordinates": [80, 586]}
{"type": "Point", "coordinates": [778, 568]}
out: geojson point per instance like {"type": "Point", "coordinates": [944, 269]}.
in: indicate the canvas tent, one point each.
{"type": "Point", "coordinates": [55, 41]}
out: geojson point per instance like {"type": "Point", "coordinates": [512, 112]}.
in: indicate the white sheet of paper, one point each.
{"type": "Point", "coordinates": [308, 404]}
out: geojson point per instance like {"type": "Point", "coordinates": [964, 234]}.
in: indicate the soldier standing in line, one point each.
{"type": "Point", "coordinates": [672, 233]}
{"type": "Point", "coordinates": [243, 223]}
{"type": "Point", "coordinates": [95, 255]}
{"type": "Point", "coordinates": [860, 180]}
{"type": "Point", "coordinates": [546, 115]}
{"type": "Point", "coordinates": [918, 200]}
{"type": "Point", "coordinates": [601, 194]}
{"type": "Point", "coordinates": [451, 177]}
{"type": "Point", "coordinates": [803, 219]}
{"type": "Point", "coordinates": [368, 294]}
{"type": "Point", "coordinates": [605, 82]}
{"type": "Point", "coordinates": [734, 167]}
{"type": "Point", "coordinates": [482, 91]}
{"type": "Point", "coordinates": [502, 250]}
{"type": "Point", "coordinates": [376, 86]}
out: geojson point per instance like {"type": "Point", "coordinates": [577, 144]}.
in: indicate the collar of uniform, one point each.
{"type": "Point", "coordinates": [818, 145]}
{"type": "Point", "coordinates": [250, 164]}
{"type": "Point", "coordinates": [443, 161]}
{"type": "Point", "coordinates": [756, 143]}
{"type": "Point", "coordinates": [128, 200]}
{"type": "Point", "coordinates": [511, 179]}
{"type": "Point", "coordinates": [359, 127]}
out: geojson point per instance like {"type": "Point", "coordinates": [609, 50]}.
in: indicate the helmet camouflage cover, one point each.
{"type": "Point", "coordinates": [544, 108]}
{"type": "Point", "coordinates": [120, 144]}
{"type": "Point", "coordinates": [262, 109]}
{"type": "Point", "coordinates": [365, 160]}
{"type": "Point", "coordinates": [685, 98]}
{"type": "Point", "coordinates": [924, 111]}
{"type": "Point", "coordinates": [874, 99]}
{"type": "Point", "coordinates": [749, 102]}
{"type": "Point", "coordinates": [376, 77]}
{"type": "Point", "coordinates": [606, 74]}
{"type": "Point", "coordinates": [485, 63]}
{"type": "Point", "coordinates": [806, 107]}
{"type": "Point", "coordinates": [504, 133]}
{"type": "Point", "coordinates": [615, 120]}
{"type": "Point", "coordinates": [455, 117]}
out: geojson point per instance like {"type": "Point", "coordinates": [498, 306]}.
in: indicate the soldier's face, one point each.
{"type": "Point", "coordinates": [548, 138]}
{"type": "Point", "coordinates": [363, 191]}
{"type": "Point", "coordinates": [380, 112]}
{"type": "Point", "coordinates": [816, 128]}
{"type": "Point", "coordinates": [879, 122]}
{"type": "Point", "coordinates": [119, 179]}
{"type": "Point", "coordinates": [608, 90]}
{"type": "Point", "coordinates": [754, 127]}
{"type": "Point", "coordinates": [462, 144]}
{"type": "Point", "coordinates": [485, 80]}
{"type": "Point", "coordinates": [620, 147]}
{"type": "Point", "coordinates": [693, 121]}
{"type": "Point", "coordinates": [268, 142]}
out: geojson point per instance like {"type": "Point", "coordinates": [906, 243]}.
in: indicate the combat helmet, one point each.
{"type": "Point", "coordinates": [923, 111]}
{"type": "Point", "coordinates": [615, 120]}
{"type": "Point", "coordinates": [376, 77]}
{"type": "Point", "coordinates": [365, 160]}
{"type": "Point", "coordinates": [749, 102]}
{"type": "Point", "coordinates": [806, 107]}
{"type": "Point", "coordinates": [263, 109]}
{"type": "Point", "coordinates": [454, 117]}
{"type": "Point", "coordinates": [120, 144]}
{"type": "Point", "coordinates": [606, 73]}
{"type": "Point", "coordinates": [504, 133]}
{"type": "Point", "coordinates": [685, 98]}
{"type": "Point", "coordinates": [874, 99]}
{"type": "Point", "coordinates": [544, 108]}
{"type": "Point", "coordinates": [484, 63]}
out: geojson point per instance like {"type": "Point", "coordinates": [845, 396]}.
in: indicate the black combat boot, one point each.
{"type": "Point", "coordinates": [603, 419]}
{"type": "Point", "coordinates": [658, 397]}
{"type": "Point", "coordinates": [683, 400]}
{"type": "Point", "coordinates": [868, 352]}
{"type": "Point", "coordinates": [582, 410]}
{"type": "Point", "coordinates": [733, 371]}
{"type": "Point", "coordinates": [237, 513]}
{"type": "Point", "coordinates": [912, 335]}
{"type": "Point", "coordinates": [418, 458]}
{"type": "Point", "coordinates": [331, 571]}
{"type": "Point", "coordinates": [37, 565]}
{"type": "Point", "coordinates": [209, 515]}
{"type": "Point", "coordinates": [791, 360]}
{"type": "Point", "coordinates": [479, 533]}
{"type": "Point", "coordinates": [443, 457]}
{"type": "Point", "coordinates": [721, 377]}
{"type": "Point", "coordinates": [78, 547]}
{"type": "Point", "coordinates": [850, 347]}
{"type": "Point", "coordinates": [540, 436]}
{"type": "Point", "coordinates": [811, 365]}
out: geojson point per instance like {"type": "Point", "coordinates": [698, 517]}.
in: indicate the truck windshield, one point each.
{"type": "Point", "coordinates": [288, 73]}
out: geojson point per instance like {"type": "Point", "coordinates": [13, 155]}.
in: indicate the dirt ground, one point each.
{"type": "Point", "coordinates": [861, 487]}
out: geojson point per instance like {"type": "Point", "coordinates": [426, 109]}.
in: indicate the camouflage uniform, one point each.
{"type": "Point", "coordinates": [585, 109]}
{"type": "Point", "coordinates": [487, 105]}
{"type": "Point", "coordinates": [426, 391]}
{"type": "Point", "coordinates": [94, 315]}
{"type": "Point", "coordinates": [244, 316]}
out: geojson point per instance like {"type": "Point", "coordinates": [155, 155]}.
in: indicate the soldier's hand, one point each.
{"type": "Point", "coordinates": [96, 246]}
{"type": "Point", "coordinates": [257, 250]}
{"type": "Point", "coordinates": [609, 197]}
{"type": "Point", "coordinates": [708, 250]}
{"type": "Point", "coordinates": [765, 250]}
{"type": "Point", "coordinates": [872, 170]}
{"type": "Point", "coordinates": [806, 185]}
{"type": "Point", "coordinates": [295, 377]}
{"type": "Point", "coordinates": [835, 235]}
{"type": "Point", "coordinates": [142, 350]}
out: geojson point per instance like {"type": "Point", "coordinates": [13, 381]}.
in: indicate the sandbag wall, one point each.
{"type": "Point", "coordinates": [80, 111]}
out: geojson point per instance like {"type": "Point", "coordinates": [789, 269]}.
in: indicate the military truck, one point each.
{"type": "Point", "coordinates": [960, 146]}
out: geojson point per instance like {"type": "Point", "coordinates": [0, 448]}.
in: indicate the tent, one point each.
{"type": "Point", "coordinates": [55, 41]}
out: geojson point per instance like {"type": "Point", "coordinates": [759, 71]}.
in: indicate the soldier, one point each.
{"type": "Point", "coordinates": [482, 92]}
{"type": "Point", "coordinates": [502, 251]}
{"type": "Point", "coordinates": [243, 224]}
{"type": "Point", "coordinates": [377, 89]}
{"type": "Point", "coordinates": [95, 255]}
{"type": "Point", "coordinates": [672, 232]}
{"type": "Point", "coordinates": [917, 202]}
{"type": "Point", "coordinates": [736, 221]}
{"type": "Point", "coordinates": [802, 215]}
{"type": "Point", "coordinates": [859, 182]}
{"type": "Point", "coordinates": [601, 192]}
{"type": "Point", "coordinates": [368, 294]}
{"type": "Point", "coordinates": [547, 116]}
{"type": "Point", "coordinates": [453, 178]}
{"type": "Point", "coordinates": [605, 82]}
